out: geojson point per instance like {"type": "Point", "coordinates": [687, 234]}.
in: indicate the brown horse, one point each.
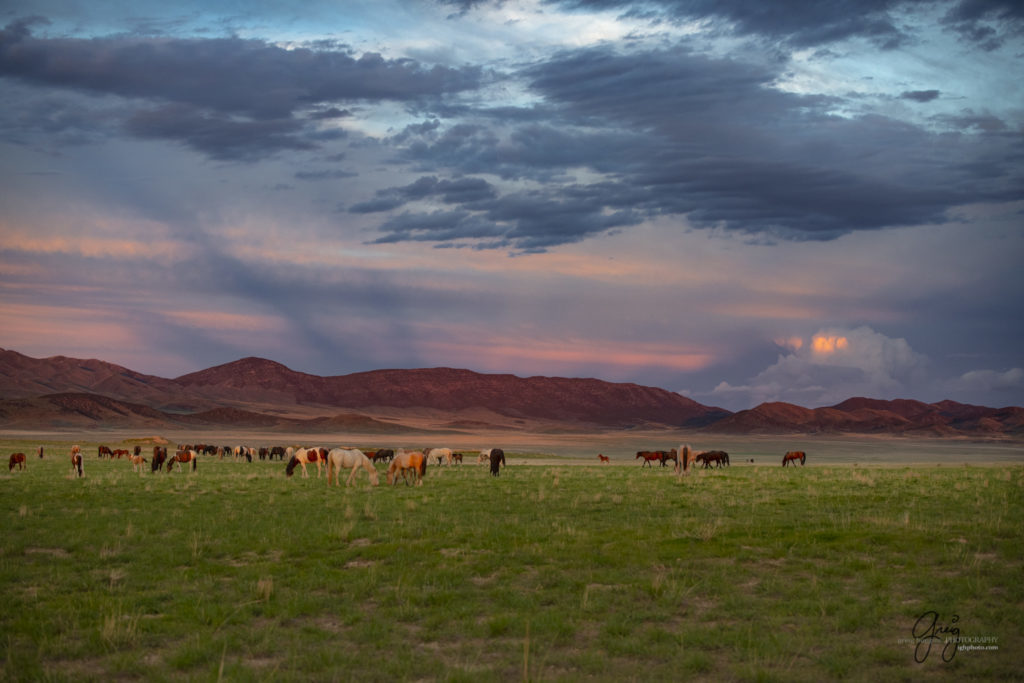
{"type": "Point", "coordinates": [76, 461]}
{"type": "Point", "coordinates": [649, 457]}
{"type": "Point", "coordinates": [103, 450]}
{"type": "Point", "coordinates": [18, 459]}
{"type": "Point", "coordinates": [159, 456]}
{"type": "Point", "coordinates": [669, 455]}
{"type": "Point", "coordinates": [404, 463]}
{"type": "Point", "coordinates": [793, 456]}
{"type": "Point", "coordinates": [184, 457]}
{"type": "Point", "coordinates": [306, 456]}
{"type": "Point", "coordinates": [719, 458]}
{"type": "Point", "coordinates": [603, 458]}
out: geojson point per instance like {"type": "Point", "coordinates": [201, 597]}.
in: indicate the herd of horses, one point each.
{"type": "Point", "coordinates": [685, 457]}
{"type": "Point", "coordinates": [411, 466]}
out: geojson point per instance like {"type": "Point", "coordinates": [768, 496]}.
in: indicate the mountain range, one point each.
{"type": "Point", "coordinates": [257, 394]}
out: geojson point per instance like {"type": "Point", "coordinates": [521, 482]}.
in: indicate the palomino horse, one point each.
{"type": "Point", "coordinates": [497, 460]}
{"type": "Point", "coordinates": [76, 461]}
{"type": "Point", "coordinates": [404, 463]}
{"type": "Point", "coordinates": [349, 459]}
{"type": "Point", "coordinates": [184, 457]}
{"type": "Point", "coordinates": [17, 459]}
{"type": "Point", "coordinates": [603, 458]}
{"type": "Point", "coordinates": [687, 457]}
{"type": "Point", "coordinates": [442, 454]}
{"type": "Point", "coordinates": [136, 461]}
{"type": "Point", "coordinates": [306, 456]}
{"type": "Point", "coordinates": [793, 456]}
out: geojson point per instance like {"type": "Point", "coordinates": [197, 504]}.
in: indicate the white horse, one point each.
{"type": "Point", "coordinates": [485, 456]}
{"type": "Point", "coordinates": [352, 459]}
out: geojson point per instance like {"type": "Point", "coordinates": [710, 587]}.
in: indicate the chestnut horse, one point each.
{"type": "Point", "coordinates": [306, 456]}
{"type": "Point", "coordinates": [793, 456]}
{"type": "Point", "coordinates": [76, 461]}
{"type": "Point", "coordinates": [650, 456]}
{"type": "Point", "coordinates": [19, 460]}
{"type": "Point", "coordinates": [349, 459]}
{"type": "Point", "coordinates": [403, 462]}
{"type": "Point", "coordinates": [184, 457]}
{"type": "Point", "coordinates": [603, 458]}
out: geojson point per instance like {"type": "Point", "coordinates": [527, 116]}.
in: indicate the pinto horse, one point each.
{"type": "Point", "coordinates": [405, 462]}
{"type": "Point", "coordinates": [497, 460]}
{"type": "Point", "coordinates": [350, 459]}
{"type": "Point", "coordinates": [18, 459]}
{"type": "Point", "coordinates": [793, 456]}
{"type": "Point", "coordinates": [687, 457]}
{"type": "Point", "coordinates": [306, 456]}
{"type": "Point", "coordinates": [184, 457]}
{"type": "Point", "coordinates": [76, 461]}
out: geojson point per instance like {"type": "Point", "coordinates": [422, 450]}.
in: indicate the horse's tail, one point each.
{"type": "Point", "coordinates": [423, 467]}
{"type": "Point", "coordinates": [195, 461]}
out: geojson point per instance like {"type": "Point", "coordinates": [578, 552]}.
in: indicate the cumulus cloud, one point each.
{"type": "Point", "coordinates": [833, 365]}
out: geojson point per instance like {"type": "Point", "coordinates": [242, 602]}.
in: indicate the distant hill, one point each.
{"type": "Point", "coordinates": [256, 393]}
{"type": "Point", "coordinates": [875, 416]}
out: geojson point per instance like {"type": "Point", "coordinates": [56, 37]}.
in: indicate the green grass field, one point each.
{"type": "Point", "coordinates": [548, 572]}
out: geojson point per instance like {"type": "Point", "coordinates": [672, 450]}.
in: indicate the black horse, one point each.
{"type": "Point", "coordinates": [497, 460]}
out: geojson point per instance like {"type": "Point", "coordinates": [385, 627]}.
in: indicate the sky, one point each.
{"type": "Point", "coordinates": [737, 201]}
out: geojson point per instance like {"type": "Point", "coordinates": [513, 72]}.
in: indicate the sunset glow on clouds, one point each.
{"type": "Point", "coordinates": [682, 194]}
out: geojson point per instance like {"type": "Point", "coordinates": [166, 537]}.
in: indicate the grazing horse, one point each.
{"type": "Point", "coordinates": [136, 461]}
{"type": "Point", "coordinates": [76, 461]}
{"type": "Point", "coordinates": [603, 458]}
{"type": "Point", "coordinates": [103, 450]}
{"type": "Point", "coordinates": [184, 457]}
{"type": "Point", "coordinates": [306, 456]}
{"type": "Point", "coordinates": [119, 452]}
{"type": "Point", "coordinates": [18, 459]}
{"type": "Point", "coordinates": [649, 457]}
{"type": "Point", "coordinates": [383, 455]}
{"type": "Point", "coordinates": [350, 459]}
{"type": "Point", "coordinates": [484, 457]}
{"type": "Point", "coordinates": [404, 463]}
{"type": "Point", "coordinates": [444, 454]}
{"type": "Point", "coordinates": [159, 456]}
{"type": "Point", "coordinates": [720, 458]}
{"type": "Point", "coordinates": [497, 460]}
{"type": "Point", "coordinates": [457, 457]}
{"type": "Point", "coordinates": [793, 456]}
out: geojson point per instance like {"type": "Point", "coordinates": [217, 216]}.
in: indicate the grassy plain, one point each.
{"type": "Point", "coordinates": [557, 571]}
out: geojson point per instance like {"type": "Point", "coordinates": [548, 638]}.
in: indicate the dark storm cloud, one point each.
{"type": "Point", "coordinates": [806, 24]}
{"type": "Point", "coordinates": [233, 98]}
{"type": "Point", "coordinates": [457, 191]}
{"type": "Point", "coordinates": [920, 95]}
{"type": "Point", "coordinates": [241, 76]}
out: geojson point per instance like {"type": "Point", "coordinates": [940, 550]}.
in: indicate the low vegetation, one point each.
{"type": "Point", "coordinates": [548, 572]}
